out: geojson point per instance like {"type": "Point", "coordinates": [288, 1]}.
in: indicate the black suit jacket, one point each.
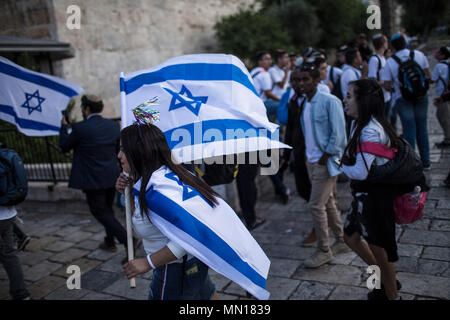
{"type": "Point", "coordinates": [294, 134]}
{"type": "Point", "coordinates": [95, 142]}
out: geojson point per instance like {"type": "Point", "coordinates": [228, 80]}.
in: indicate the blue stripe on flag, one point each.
{"type": "Point", "coordinates": [191, 71]}
{"type": "Point", "coordinates": [222, 125]}
{"type": "Point", "coordinates": [25, 123]}
{"type": "Point", "coordinates": [182, 219]}
{"type": "Point", "coordinates": [36, 79]}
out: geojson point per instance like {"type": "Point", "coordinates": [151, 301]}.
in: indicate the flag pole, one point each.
{"type": "Point", "coordinates": [123, 108]}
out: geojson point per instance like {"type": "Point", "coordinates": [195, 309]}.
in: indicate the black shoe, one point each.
{"type": "Point", "coordinates": [255, 224]}
{"type": "Point", "coordinates": [22, 243]}
{"type": "Point", "coordinates": [380, 294]}
{"type": "Point", "coordinates": [443, 144]}
{"type": "Point", "coordinates": [107, 246]}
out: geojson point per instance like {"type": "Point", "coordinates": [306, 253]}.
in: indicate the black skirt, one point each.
{"type": "Point", "coordinates": [372, 216]}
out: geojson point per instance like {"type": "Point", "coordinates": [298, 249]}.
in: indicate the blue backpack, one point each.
{"type": "Point", "coordinates": [13, 178]}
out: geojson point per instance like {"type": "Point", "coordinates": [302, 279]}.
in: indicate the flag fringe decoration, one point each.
{"type": "Point", "coordinates": [144, 114]}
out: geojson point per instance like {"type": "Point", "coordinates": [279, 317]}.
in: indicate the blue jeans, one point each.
{"type": "Point", "coordinates": [414, 122]}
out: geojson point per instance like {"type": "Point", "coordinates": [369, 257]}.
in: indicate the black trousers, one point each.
{"type": "Point", "coordinates": [101, 205]}
{"type": "Point", "coordinates": [302, 181]}
{"type": "Point", "coordinates": [247, 191]}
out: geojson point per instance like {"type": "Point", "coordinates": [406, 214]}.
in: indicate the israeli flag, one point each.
{"type": "Point", "coordinates": [208, 106]}
{"type": "Point", "coordinates": [33, 101]}
{"type": "Point", "coordinates": [216, 236]}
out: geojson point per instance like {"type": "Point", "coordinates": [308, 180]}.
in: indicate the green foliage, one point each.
{"type": "Point", "coordinates": [420, 17]}
{"type": "Point", "coordinates": [291, 25]}
{"type": "Point", "coordinates": [248, 32]}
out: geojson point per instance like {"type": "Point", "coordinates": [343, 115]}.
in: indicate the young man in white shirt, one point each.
{"type": "Point", "coordinates": [441, 76]}
{"type": "Point", "coordinates": [413, 115]}
{"type": "Point", "coordinates": [264, 84]}
{"type": "Point", "coordinates": [323, 127]}
{"type": "Point", "coordinates": [279, 73]}
{"type": "Point", "coordinates": [376, 64]}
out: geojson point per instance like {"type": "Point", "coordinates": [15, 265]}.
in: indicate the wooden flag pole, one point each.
{"type": "Point", "coordinates": [123, 107]}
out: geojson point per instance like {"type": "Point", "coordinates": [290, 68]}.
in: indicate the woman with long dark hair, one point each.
{"type": "Point", "coordinates": [184, 224]}
{"type": "Point", "coordinates": [143, 150]}
{"type": "Point", "coordinates": [372, 213]}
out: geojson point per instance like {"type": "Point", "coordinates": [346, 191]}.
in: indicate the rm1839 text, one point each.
{"type": "Point", "coordinates": [246, 309]}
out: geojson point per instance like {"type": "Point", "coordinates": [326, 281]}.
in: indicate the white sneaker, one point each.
{"type": "Point", "coordinates": [340, 247]}
{"type": "Point", "coordinates": [319, 258]}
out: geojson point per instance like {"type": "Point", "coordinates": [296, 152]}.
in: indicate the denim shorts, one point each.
{"type": "Point", "coordinates": [171, 283]}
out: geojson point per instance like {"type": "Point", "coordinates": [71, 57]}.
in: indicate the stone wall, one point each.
{"type": "Point", "coordinates": [134, 34]}
{"type": "Point", "coordinates": [27, 18]}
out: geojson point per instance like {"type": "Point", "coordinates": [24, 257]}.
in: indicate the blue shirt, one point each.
{"type": "Point", "coordinates": [328, 127]}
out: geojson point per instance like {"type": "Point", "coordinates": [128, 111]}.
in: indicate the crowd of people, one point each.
{"type": "Point", "coordinates": [334, 117]}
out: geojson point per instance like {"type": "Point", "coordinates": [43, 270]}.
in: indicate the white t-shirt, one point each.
{"type": "Point", "coordinates": [373, 132]}
{"type": "Point", "coordinates": [262, 81]}
{"type": "Point", "coordinates": [313, 153]}
{"type": "Point", "coordinates": [390, 70]}
{"type": "Point", "coordinates": [323, 88]}
{"type": "Point", "coordinates": [350, 74]}
{"type": "Point", "coordinates": [337, 72]}
{"type": "Point", "coordinates": [277, 75]}
{"type": "Point", "coordinates": [7, 212]}
{"type": "Point", "coordinates": [373, 70]}
{"type": "Point", "coordinates": [152, 238]}
{"type": "Point", "coordinates": [440, 71]}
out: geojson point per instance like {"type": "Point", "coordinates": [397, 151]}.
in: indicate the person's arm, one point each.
{"type": "Point", "coordinates": [142, 265]}
{"type": "Point", "coordinates": [67, 141]}
{"type": "Point", "coordinates": [359, 170]}
{"type": "Point", "coordinates": [270, 95]}
{"type": "Point", "coordinates": [338, 138]}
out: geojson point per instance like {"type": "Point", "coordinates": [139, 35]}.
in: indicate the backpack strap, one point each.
{"type": "Point", "coordinates": [377, 149]}
{"type": "Point", "coordinates": [379, 65]}
{"type": "Point", "coordinates": [332, 75]}
{"type": "Point", "coordinates": [448, 73]}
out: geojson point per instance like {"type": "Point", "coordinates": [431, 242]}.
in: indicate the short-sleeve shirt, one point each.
{"type": "Point", "coordinates": [277, 75]}
{"type": "Point", "coordinates": [262, 81]}
{"type": "Point", "coordinates": [390, 71]}
{"type": "Point", "coordinates": [350, 74]}
{"type": "Point", "coordinates": [441, 75]}
{"type": "Point", "coordinates": [375, 72]}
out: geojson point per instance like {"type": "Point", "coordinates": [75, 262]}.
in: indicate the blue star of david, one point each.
{"type": "Point", "coordinates": [29, 98]}
{"type": "Point", "coordinates": [188, 192]}
{"type": "Point", "coordinates": [186, 99]}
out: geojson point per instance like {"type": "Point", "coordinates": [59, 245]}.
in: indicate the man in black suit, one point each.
{"type": "Point", "coordinates": [95, 167]}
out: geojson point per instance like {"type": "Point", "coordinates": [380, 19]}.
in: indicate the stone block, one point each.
{"type": "Point", "coordinates": [219, 280]}
{"type": "Point", "coordinates": [436, 253]}
{"type": "Point", "coordinates": [69, 255]}
{"type": "Point", "coordinates": [78, 236]}
{"type": "Point", "coordinates": [312, 291]}
{"type": "Point", "coordinates": [440, 225]}
{"type": "Point", "coordinates": [85, 265]}
{"type": "Point", "coordinates": [333, 274]}
{"type": "Point", "coordinates": [37, 244]}
{"type": "Point", "coordinates": [409, 250]}
{"type": "Point", "coordinates": [45, 286]}
{"type": "Point", "coordinates": [104, 255]}
{"type": "Point", "coordinates": [33, 258]}
{"type": "Point", "coordinates": [428, 238]}
{"type": "Point", "coordinates": [41, 270]}
{"type": "Point", "coordinates": [122, 288]}
{"type": "Point", "coordinates": [96, 280]}
{"type": "Point", "coordinates": [287, 252]}
{"type": "Point", "coordinates": [63, 293]}
{"type": "Point", "coordinates": [349, 293]}
{"type": "Point", "coordinates": [88, 244]}
{"type": "Point", "coordinates": [59, 245]}
{"type": "Point", "coordinates": [283, 267]}
{"type": "Point", "coordinates": [425, 285]}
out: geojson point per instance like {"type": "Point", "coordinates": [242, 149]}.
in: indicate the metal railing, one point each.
{"type": "Point", "coordinates": [42, 156]}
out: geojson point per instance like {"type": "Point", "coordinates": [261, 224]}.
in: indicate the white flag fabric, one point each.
{"type": "Point", "coordinates": [33, 101]}
{"type": "Point", "coordinates": [208, 106]}
{"type": "Point", "coordinates": [216, 236]}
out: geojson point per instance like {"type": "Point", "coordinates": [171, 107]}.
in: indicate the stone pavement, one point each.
{"type": "Point", "coordinates": [64, 233]}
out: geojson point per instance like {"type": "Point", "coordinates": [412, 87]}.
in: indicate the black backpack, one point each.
{"type": "Point", "coordinates": [379, 65]}
{"type": "Point", "coordinates": [216, 174]}
{"type": "Point", "coordinates": [336, 86]}
{"type": "Point", "coordinates": [413, 84]}
{"type": "Point", "coordinates": [13, 178]}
